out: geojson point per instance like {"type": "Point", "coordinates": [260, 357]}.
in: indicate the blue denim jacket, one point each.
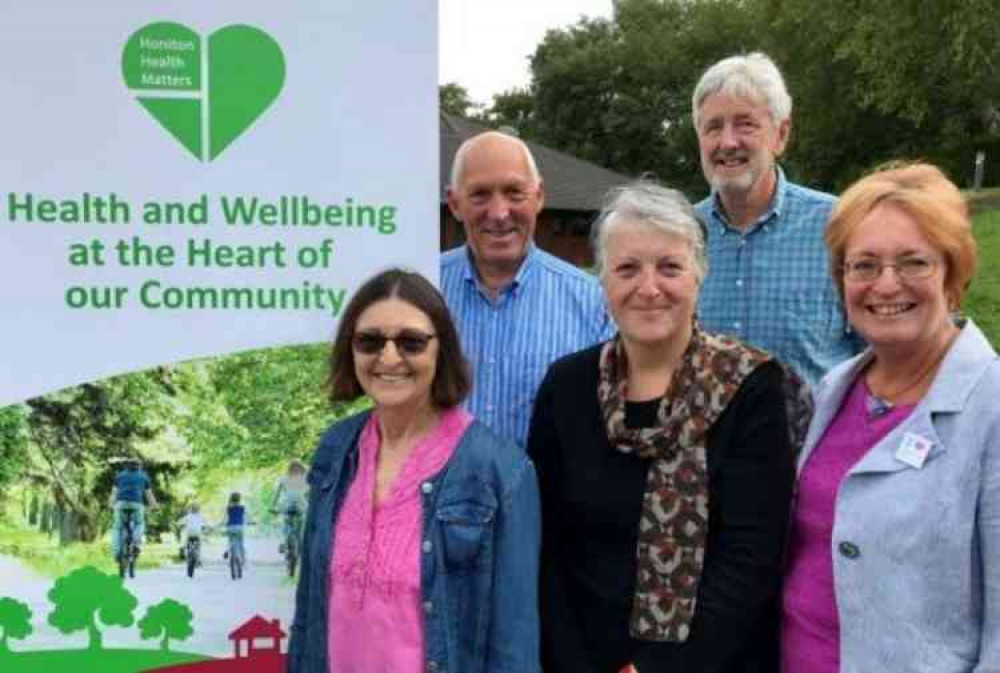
{"type": "Point", "coordinates": [479, 581]}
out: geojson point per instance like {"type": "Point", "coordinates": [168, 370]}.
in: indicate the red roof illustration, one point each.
{"type": "Point", "coordinates": [258, 627]}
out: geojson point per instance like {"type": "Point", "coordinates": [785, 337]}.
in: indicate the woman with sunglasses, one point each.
{"type": "Point", "coordinates": [422, 534]}
{"type": "Point", "coordinates": [893, 563]}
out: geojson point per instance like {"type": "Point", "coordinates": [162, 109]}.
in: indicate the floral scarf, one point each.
{"type": "Point", "coordinates": [673, 525]}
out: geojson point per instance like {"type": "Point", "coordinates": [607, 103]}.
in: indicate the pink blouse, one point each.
{"type": "Point", "coordinates": [375, 621]}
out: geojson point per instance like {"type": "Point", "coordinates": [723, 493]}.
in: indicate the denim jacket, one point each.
{"type": "Point", "coordinates": [479, 579]}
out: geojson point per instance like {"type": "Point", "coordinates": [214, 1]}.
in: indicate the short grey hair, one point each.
{"type": "Point", "coordinates": [658, 208]}
{"type": "Point", "coordinates": [753, 76]}
{"type": "Point", "coordinates": [458, 163]}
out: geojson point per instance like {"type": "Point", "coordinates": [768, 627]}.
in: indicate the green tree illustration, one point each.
{"type": "Point", "coordinates": [167, 620]}
{"type": "Point", "coordinates": [87, 595]}
{"type": "Point", "coordinates": [15, 622]}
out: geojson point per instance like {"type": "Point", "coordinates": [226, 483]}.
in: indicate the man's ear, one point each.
{"type": "Point", "coordinates": [541, 197]}
{"type": "Point", "coordinates": [452, 199]}
{"type": "Point", "coordinates": [784, 133]}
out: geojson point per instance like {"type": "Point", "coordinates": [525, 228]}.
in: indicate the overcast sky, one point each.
{"type": "Point", "coordinates": [484, 45]}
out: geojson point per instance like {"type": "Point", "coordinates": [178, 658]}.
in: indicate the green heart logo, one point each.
{"type": "Point", "coordinates": [205, 95]}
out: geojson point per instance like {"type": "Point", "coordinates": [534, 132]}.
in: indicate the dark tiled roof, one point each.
{"type": "Point", "coordinates": [570, 183]}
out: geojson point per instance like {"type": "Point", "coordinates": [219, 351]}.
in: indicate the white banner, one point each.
{"type": "Point", "coordinates": [189, 178]}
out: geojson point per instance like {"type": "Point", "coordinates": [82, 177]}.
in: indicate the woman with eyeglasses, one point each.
{"type": "Point", "coordinates": [422, 534]}
{"type": "Point", "coordinates": [894, 554]}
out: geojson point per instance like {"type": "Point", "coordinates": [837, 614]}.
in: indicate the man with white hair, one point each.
{"type": "Point", "coordinates": [517, 308]}
{"type": "Point", "coordinates": [768, 278]}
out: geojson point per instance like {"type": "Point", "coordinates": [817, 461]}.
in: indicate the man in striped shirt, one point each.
{"type": "Point", "coordinates": [517, 307]}
{"type": "Point", "coordinates": [768, 280]}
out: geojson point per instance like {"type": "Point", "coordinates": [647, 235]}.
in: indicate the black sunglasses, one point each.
{"type": "Point", "coordinates": [407, 342]}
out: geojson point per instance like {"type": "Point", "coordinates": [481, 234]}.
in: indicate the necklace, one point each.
{"type": "Point", "coordinates": [886, 397]}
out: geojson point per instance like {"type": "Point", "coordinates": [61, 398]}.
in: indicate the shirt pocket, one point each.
{"type": "Point", "coordinates": [466, 533]}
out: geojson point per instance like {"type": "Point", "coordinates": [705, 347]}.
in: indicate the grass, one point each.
{"type": "Point", "coordinates": [45, 556]}
{"type": "Point", "coordinates": [83, 661]}
{"type": "Point", "coordinates": [982, 301]}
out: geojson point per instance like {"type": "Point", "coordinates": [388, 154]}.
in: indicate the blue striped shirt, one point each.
{"type": "Point", "coordinates": [551, 309]}
{"type": "Point", "coordinates": [770, 285]}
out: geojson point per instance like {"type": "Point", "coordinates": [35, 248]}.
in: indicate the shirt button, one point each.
{"type": "Point", "coordinates": [737, 324]}
{"type": "Point", "coordinates": [428, 607]}
{"type": "Point", "coordinates": [426, 546]}
{"type": "Point", "coordinates": [849, 550]}
{"type": "Point", "coordinates": [427, 487]}
{"type": "Point", "coordinates": [743, 242]}
{"type": "Point", "coordinates": [739, 282]}
{"type": "Point", "coordinates": [432, 666]}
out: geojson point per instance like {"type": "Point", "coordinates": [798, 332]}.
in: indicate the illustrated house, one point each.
{"type": "Point", "coordinates": [247, 639]}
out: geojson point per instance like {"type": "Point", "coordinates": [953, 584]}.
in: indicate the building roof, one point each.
{"type": "Point", "coordinates": [570, 183]}
{"type": "Point", "coordinates": [258, 627]}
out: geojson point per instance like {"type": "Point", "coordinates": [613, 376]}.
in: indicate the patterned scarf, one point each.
{"type": "Point", "coordinates": [673, 525]}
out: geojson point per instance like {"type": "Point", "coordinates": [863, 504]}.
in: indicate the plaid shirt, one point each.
{"type": "Point", "coordinates": [770, 285]}
{"type": "Point", "coordinates": [551, 309]}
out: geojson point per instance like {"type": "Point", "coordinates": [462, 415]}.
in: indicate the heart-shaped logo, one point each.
{"type": "Point", "coordinates": [205, 93]}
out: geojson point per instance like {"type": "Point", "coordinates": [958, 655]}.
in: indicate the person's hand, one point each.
{"type": "Point", "coordinates": [629, 668]}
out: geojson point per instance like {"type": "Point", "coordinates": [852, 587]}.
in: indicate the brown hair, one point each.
{"type": "Point", "coordinates": [924, 193]}
{"type": "Point", "coordinates": [451, 377]}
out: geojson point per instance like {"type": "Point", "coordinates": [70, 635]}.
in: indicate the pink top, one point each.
{"type": "Point", "coordinates": [375, 618]}
{"type": "Point", "coordinates": [810, 629]}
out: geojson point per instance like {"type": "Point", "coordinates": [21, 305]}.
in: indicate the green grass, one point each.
{"type": "Point", "coordinates": [45, 556]}
{"type": "Point", "coordinates": [982, 301]}
{"type": "Point", "coordinates": [86, 661]}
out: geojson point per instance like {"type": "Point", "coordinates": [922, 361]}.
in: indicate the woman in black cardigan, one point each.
{"type": "Point", "coordinates": [665, 468]}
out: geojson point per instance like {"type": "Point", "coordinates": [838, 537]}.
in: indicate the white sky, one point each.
{"type": "Point", "coordinates": [484, 45]}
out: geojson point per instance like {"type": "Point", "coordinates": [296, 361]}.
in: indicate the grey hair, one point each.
{"type": "Point", "coordinates": [458, 163]}
{"type": "Point", "coordinates": [753, 76]}
{"type": "Point", "coordinates": [660, 209]}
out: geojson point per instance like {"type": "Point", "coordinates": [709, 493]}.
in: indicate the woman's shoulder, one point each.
{"type": "Point", "coordinates": [339, 438]}
{"type": "Point", "coordinates": [574, 365]}
{"type": "Point", "coordinates": [483, 455]}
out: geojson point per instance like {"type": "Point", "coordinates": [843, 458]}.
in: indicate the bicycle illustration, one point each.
{"type": "Point", "coordinates": [129, 550]}
{"type": "Point", "coordinates": [291, 547]}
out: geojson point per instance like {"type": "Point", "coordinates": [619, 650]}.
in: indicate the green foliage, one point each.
{"type": "Point", "coordinates": [15, 622]}
{"type": "Point", "coordinates": [982, 301]}
{"type": "Point", "coordinates": [167, 620]}
{"type": "Point", "coordinates": [454, 99]}
{"type": "Point", "coordinates": [86, 596]}
{"type": "Point", "coordinates": [872, 80]}
{"type": "Point", "coordinates": [13, 445]}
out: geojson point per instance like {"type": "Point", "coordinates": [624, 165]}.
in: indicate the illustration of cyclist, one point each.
{"type": "Point", "coordinates": [193, 527]}
{"type": "Point", "coordinates": [236, 520]}
{"type": "Point", "coordinates": [290, 499]}
{"type": "Point", "coordinates": [130, 492]}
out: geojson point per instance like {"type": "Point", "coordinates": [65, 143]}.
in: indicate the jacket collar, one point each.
{"type": "Point", "coordinates": [963, 366]}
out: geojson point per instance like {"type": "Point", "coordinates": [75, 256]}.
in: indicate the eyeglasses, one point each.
{"type": "Point", "coordinates": [408, 342]}
{"type": "Point", "coordinates": [906, 268]}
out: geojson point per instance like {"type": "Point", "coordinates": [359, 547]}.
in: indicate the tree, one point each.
{"type": "Point", "coordinates": [15, 622]}
{"type": "Point", "coordinates": [166, 620]}
{"type": "Point", "coordinates": [86, 597]}
{"type": "Point", "coordinates": [619, 93]}
{"type": "Point", "coordinates": [515, 109]}
{"type": "Point", "coordinates": [454, 99]}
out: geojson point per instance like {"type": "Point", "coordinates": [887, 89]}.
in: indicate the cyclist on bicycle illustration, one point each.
{"type": "Point", "coordinates": [290, 499]}
{"type": "Point", "coordinates": [193, 526]}
{"type": "Point", "coordinates": [130, 492]}
{"type": "Point", "coordinates": [236, 521]}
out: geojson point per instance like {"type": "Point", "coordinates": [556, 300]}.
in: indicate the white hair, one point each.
{"type": "Point", "coordinates": [664, 210]}
{"type": "Point", "coordinates": [753, 76]}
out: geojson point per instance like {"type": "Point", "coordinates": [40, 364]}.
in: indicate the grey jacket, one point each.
{"type": "Point", "coordinates": [916, 551]}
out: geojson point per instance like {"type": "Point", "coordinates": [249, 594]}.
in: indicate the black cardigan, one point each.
{"type": "Point", "coordinates": [591, 500]}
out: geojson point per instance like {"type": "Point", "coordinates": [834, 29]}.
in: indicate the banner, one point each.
{"type": "Point", "coordinates": [190, 192]}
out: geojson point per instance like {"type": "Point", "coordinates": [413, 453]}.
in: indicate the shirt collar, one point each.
{"type": "Point", "coordinates": [773, 211]}
{"type": "Point", "coordinates": [523, 273]}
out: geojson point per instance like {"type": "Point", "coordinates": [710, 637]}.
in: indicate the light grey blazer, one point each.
{"type": "Point", "coordinates": [916, 551]}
